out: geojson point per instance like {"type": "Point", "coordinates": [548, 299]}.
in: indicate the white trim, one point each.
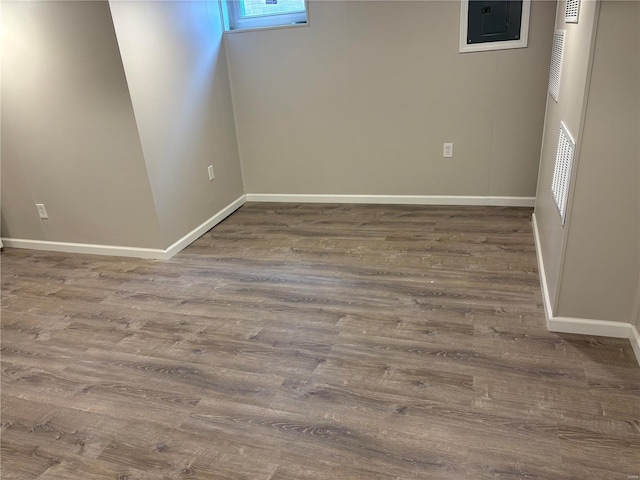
{"type": "Point", "coordinates": [582, 326]}
{"type": "Point", "coordinates": [634, 338]}
{"type": "Point", "coordinates": [136, 252]}
{"type": "Point", "coordinates": [205, 227]}
{"type": "Point", "coordinates": [90, 248]}
{"type": "Point", "coordinates": [167, 253]}
{"type": "Point", "coordinates": [395, 199]}
{"type": "Point", "coordinates": [522, 42]}
{"type": "Point", "coordinates": [263, 29]}
{"type": "Point", "coordinates": [587, 326]}
{"type": "Point", "coordinates": [546, 299]}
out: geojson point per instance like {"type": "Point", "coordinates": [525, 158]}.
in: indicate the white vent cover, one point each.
{"type": "Point", "coordinates": [556, 64]}
{"type": "Point", "coordinates": [571, 11]}
{"type": "Point", "coordinates": [562, 170]}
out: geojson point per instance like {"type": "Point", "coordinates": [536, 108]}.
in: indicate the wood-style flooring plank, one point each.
{"type": "Point", "coordinates": [308, 342]}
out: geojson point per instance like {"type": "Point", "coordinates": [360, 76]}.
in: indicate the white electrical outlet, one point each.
{"type": "Point", "coordinates": [211, 174]}
{"type": "Point", "coordinates": [41, 210]}
{"type": "Point", "coordinates": [447, 151]}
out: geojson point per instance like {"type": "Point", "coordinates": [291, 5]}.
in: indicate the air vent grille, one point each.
{"type": "Point", "coordinates": [556, 64]}
{"type": "Point", "coordinates": [562, 170]}
{"type": "Point", "coordinates": [571, 11]}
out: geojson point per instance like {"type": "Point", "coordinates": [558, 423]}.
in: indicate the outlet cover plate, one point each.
{"type": "Point", "coordinates": [447, 150]}
{"type": "Point", "coordinates": [42, 212]}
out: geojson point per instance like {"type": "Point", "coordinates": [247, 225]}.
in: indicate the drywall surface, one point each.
{"type": "Point", "coordinates": [569, 108]}
{"type": "Point", "coordinates": [177, 74]}
{"type": "Point", "coordinates": [69, 138]}
{"type": "Point", "coordinates": [635, 316]}
{"type": "Point", "coordinates": [602, 258]}
{"type": "Point", "coordinates": [361, 101]}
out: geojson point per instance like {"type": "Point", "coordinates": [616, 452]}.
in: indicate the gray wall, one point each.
{"type": "Point", "coordinates": [570, 109]}
{"type": "Point", "coordinates": [635, 318]}
{"type": "Point", "coordinates": [602, 257]}
{"type": "Point", "coordinates": [177, 74]}
{"type": "Point", "coordinates": [636, 315]}
{"type": "Point", "coordinates": [361, 101]}
{"type": "Point", "coordinates": [113, 128]}
{"type": "Point", "coordinates": [593, 262]}
{"type": "Point", "coordinates": [69, 137]}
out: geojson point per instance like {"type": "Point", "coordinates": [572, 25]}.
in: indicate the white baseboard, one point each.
{"type": "Point", "coordinates": [589, 326]}
{"type": "Point", "coordinates": [205, 227]}
{"type": "Point", "coordinates": [582, 326]}
{"type": "Point", "coordinates": [91, 248]}
{"type": "Point", "coordinates": [395, 199]}
{"type": "Point", "coordinates": [136, 252]}
{"type": "Point", "coordinates": [546, 299]}
{"type": "Point", "coordinates": [634, 338]}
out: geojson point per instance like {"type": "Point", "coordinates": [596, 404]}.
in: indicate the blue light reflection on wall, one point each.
{"type": "Point", "coordinates": [172, 55]}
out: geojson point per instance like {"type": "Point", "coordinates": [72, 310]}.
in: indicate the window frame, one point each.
{"type": "Point", "coordinates": [233, 22]}
{"type": "Point", "coordinates": [522, 42]}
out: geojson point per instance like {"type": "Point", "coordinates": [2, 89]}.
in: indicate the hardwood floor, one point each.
{"type": "Point", "coordinates": [292, 342]}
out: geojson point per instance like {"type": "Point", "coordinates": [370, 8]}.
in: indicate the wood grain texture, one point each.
{"type": "Point", "coordinates": [291, 342]}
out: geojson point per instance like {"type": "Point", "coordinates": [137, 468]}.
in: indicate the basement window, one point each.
{"type": "Point", "coordinates": [493, 25]}
{"type": "Point", "coordinates": [253, 14]}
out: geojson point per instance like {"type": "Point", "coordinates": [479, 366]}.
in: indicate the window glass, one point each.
{"type": "Point", "coordinates": [249, 14]}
